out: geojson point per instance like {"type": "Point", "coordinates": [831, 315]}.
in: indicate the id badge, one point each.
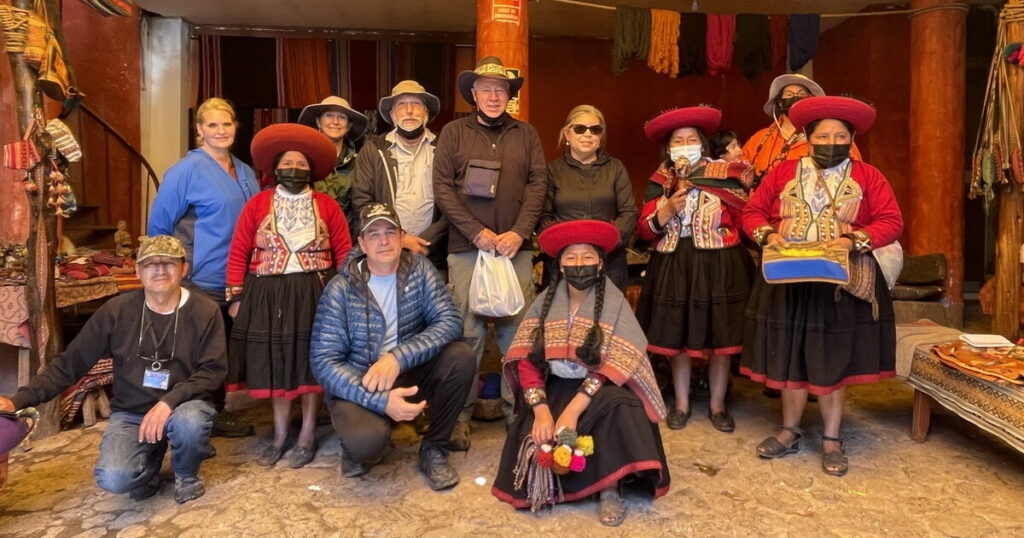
{"type": "Point", "coordinates": [156, 379]}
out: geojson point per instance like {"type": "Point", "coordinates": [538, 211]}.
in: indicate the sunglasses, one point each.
{"type": "Point", "coordinates": [580, 129]}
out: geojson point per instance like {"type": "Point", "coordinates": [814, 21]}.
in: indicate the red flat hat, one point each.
{"type": "Point", "coordinates": [599, 233]}
{"type": "Point", "coordinates": [705, 118]}
{"type": "Point", "coordinates": [280, 137]}
{"type": "Point", "coordinates": [860, 114]}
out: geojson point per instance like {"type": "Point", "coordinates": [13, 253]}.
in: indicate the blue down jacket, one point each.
{"type": "Point", "coordinates": [348, 332]}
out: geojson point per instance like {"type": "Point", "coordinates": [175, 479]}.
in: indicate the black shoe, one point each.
{"type": "Point", "coordinates": [228, 425]}
{"type": "Point", "coordinates": [187, 489]}
{"type": "Point", "coordinates": [435, 467]}
{"type": "Point", "coordinates": [772, 393]}
{"type": "Point", "coordinates": [722, 421]}
{"type": "Point", "coordinates": [677, 419]}
{"type": "Point", "coordinates": [351, 468]}
{"type": "Point", "coordinates": [146, 489]}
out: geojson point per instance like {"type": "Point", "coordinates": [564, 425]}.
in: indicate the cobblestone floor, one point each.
{"type": "Point", "coordinates": [959, 483]}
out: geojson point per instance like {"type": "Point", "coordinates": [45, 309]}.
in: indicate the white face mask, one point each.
{"type": "Point", "coordinates": [691, 152]}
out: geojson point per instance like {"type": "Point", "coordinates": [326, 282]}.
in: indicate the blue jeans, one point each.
{"type": "Point", "coordinates": [474, 331]}
{"type": "Point", "coordinates": [125, 463]}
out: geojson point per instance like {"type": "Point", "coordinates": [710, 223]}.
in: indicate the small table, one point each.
{"type": "Point", "coordinates": [993, 406]}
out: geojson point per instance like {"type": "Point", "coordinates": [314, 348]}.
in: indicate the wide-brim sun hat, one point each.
{"type": "Point", "coordinates": [782, 81]}
{"type": "Point", "coordinates": [488, 67]}
{"type": "Point", "coordinates": [705, 118]}
{"type": "Point", "coordinates": [356, 120]}
{"type": "Point", "coordinates": [409, 87]}
{"type": "Point", "coordinates": [275, 139]}
{"type": "Point", "coordinates": [859, 114]}
{"type": "Point", "coordinates": [602, 234]}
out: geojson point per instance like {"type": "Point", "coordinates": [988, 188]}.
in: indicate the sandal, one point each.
{"type": "Point", "coordinates": [611, 508]}
{"type": "Point", "coordinates": [835, 462]}
{"type": "Point", "coordinates": [771, 448]}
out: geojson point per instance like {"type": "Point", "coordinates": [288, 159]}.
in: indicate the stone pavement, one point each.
{"type": "Point", "coordinates": [959, 483]}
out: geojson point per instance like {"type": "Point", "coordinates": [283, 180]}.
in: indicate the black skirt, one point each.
{"type": "Point", "coordinates": [268, 352]}
{"type": "Point", "coordinates": [626, 445]}
{"type": "Point", "coordinates": [802, 336]}
{"type": "Point", "coordinates": [693, 300]}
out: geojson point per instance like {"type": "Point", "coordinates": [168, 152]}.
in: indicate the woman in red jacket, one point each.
{"type": "Point", "coordinates": [288, 242]}
{"type": "Point", "coordinates": [811, 337]}
{"type": "Point", "coordinates": [698, 279]}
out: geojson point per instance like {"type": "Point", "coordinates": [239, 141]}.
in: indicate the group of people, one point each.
{"type": "Point", "coordinates": [348, 281]}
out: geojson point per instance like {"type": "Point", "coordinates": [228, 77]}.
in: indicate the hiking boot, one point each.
{"type": "Point", "coordinates": [459, 441]}
{"type": "Point", "coordinates": [146, 489]}
{"type": "Point", "coordinates": [226, 424]}
{"type": "Point", "coordinates": [435, 467]}
{"type": "Point", "coordinates": [188, 488]}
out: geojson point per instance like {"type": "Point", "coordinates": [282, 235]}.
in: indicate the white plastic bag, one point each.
{"type": "Point", "coordinates": [494, 290]}
{"type": "Point", "coordinates": [890, 259]}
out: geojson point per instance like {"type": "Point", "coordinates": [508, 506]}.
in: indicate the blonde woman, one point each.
{"type": "Point", "coordinates": [588, 183]}
{"type": "Point", "coordinates": [199, 201]}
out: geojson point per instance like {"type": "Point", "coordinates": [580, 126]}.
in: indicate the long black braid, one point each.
{"type": "Point", "coordinates": [536, 356]}
{"type": "Point", "coordinates": [590, 351]}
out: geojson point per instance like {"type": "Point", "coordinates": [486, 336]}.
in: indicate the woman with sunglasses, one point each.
{"type": "Point", "coordinates": [588, 183]}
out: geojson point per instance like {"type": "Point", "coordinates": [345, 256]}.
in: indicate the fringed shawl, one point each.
{"type": "Point", "coordinates": [623, 354]}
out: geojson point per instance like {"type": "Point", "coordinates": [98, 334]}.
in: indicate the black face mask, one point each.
{"type": "Point", "coordinates": [829, 155]}
{"type": "Point", "coordinates": [787, 103]}
{"type": "Point", "coordinates": [581, 277]}
{"type": "Point", "coordinates": [294, 180]}
{"type": "Point", "coordinates": [413, 134]}
{"type": "Point", "coordinates": [491, 122]}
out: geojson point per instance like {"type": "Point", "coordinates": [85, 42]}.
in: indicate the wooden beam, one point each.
{"type": "Point", "coordinates": [503, 30]}
{"type": "Point", "coordinates": [458, 38]}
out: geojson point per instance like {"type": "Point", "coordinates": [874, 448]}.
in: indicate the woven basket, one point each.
{"type": "Point", "coordinates": [487, 409]}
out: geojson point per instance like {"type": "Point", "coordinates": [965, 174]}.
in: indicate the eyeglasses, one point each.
{"type": "Point", "coordinates": [580, 129]}
{"type": "Point", "coordinates": [789, 95]}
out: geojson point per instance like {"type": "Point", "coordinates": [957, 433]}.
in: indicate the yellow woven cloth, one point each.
{"type": "Point", "coordinates": [663, 56]}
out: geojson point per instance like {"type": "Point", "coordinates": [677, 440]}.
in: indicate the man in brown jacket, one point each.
{"type": "Point", "coordinates": [490, 180]}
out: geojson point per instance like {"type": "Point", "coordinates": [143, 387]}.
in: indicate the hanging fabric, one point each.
{"type": "Point", "coordinates": [721, 32]}
{"type": "Point", "coordinates": [753, 45]}
{"type": "Point", "coordinates": [803, 39]}
{"type": "Point", "coordinates": [778, 27]}
{"type": "Point", "coordinates": [663, 56]}
{"type": "Point", "coordinates": [210, 72]}
{"type": "Point", "coordinates": [632, 37]}
{"type": "Point", "coordinates": [693, 31]}
{"type": "Point", "coordinates": [303, 71]}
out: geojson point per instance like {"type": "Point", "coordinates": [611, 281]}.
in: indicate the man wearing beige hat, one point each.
{"type": "Point", "coordinates": [169, 356]}
{"type": "Point", "coordinates": [396, 168]}
{"type": "Point", "coordinates": [490, 180]}
{"type": "Point", "coordinates": [337, 120]}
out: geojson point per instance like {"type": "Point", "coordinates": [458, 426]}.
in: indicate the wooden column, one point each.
{"type": "Point", "coordinates": [1006, 318]}
{"type": "Point", "coordinates": [935, 216]}
{"type": "Point", "coordinates": [502, 30]}
{"type": "Point", "coordinates": [39, 286]}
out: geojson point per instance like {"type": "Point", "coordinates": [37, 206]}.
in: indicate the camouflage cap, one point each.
{"type": "Point", "coordinates": [160, 245]}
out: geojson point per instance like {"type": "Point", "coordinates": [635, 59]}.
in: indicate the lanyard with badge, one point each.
{"type": "Point", "coordinates": [155, 376]}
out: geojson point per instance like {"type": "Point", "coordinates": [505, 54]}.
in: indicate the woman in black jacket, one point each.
{"type": "Point", "coordinates": [588, 183]}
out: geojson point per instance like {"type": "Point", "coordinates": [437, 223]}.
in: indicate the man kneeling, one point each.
{"type": "Point", "coordinates": [168, 351]}
{"type": "Point", "coordinates": [384, 345]}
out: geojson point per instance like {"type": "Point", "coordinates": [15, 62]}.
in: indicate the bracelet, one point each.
{"type": "Point", "coordinates": [652, 223]}
{"type": "Point", "coordinates": [535, 396]}
{"type": "Point", "coordinates": [861, 240]}
{"type": "Point", "coordinates": [591, 385]}
{"type": "Point", "coordinates": [761, 234]}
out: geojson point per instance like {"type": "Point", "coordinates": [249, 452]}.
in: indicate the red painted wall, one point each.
{"type": "Point", "coordinates": [870, 58]}
{"type": "Point", "coordinates": [569, 72]}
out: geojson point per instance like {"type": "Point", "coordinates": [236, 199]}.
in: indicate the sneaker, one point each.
{"type": "Point", "coordinates": [226, 424]}
{"type": "Point", "coordinates": [435, 467]}
{"type": "Point", "coordinates": [187, 489]}
{"type": "Point", "coordinates": [146, 489]}
{"type": "Point", "coordinates": [459, 441]}
{"type": "Point", "coordinates": [351, 468]}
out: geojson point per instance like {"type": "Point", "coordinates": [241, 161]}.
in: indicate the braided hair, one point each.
{"type": "Point", "coordinates": [590, 351]}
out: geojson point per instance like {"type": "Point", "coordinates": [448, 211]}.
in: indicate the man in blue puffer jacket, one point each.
{"type": "Point", "coordinates": [387, 341]}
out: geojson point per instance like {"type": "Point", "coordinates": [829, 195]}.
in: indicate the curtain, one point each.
{"type": "Point", "coordinates": [210, 72]}
{"type": "Point", "coordinates": [303, 71]}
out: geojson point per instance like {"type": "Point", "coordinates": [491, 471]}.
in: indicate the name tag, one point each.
{"type": "Point", "coordinates": [156, 379]}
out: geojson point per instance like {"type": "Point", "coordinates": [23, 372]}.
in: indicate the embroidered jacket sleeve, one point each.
{"type": "Point", "coordinates": [761, 212]}
{"type": "Point", "coordinates": [242, 244]}
{"type": "Point", "coordinates": [647, 226]}
{"type": "Point", "coordinates": [879, 221]}
{"type": "Point", "coordinates": [337, 227]}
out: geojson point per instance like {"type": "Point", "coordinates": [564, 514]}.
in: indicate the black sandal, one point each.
{"type": "Point", "coordinates": [771, 448]}
{"type": "Point", "coordinates": [835, 462]}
